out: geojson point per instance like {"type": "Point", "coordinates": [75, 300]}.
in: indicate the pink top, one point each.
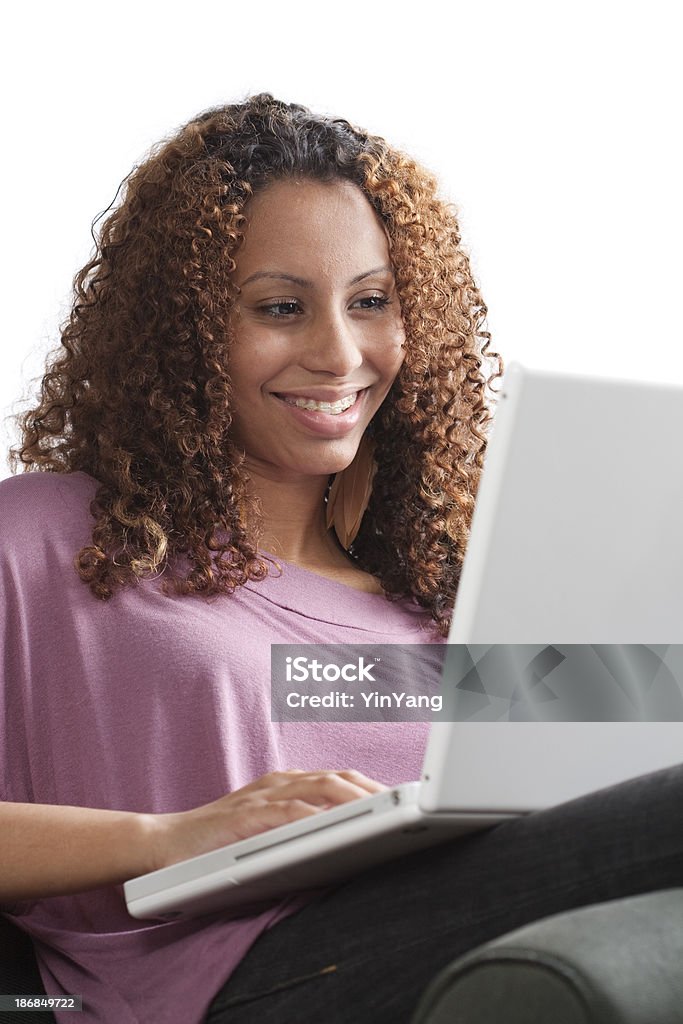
{"type": "Point", "coordinates": [158, 704]}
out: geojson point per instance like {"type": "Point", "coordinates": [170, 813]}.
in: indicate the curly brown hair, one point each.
{"type": "Point", "coordinates": [139, 396]}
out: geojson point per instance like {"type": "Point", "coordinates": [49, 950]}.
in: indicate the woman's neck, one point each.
{"type": "Point", "coordinates": [294, 521]}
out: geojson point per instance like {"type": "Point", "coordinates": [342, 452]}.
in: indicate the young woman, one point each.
{"type": "Point", "coordinates": [266, 425]}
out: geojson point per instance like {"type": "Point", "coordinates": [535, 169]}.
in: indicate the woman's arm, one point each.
{"type": "Point", "coordinates": [51, 850]}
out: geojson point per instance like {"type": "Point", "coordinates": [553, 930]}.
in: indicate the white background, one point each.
{"type": "Point", "coordinates": [553, 127]}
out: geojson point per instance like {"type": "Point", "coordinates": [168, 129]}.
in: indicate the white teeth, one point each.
{"type": "Point", "coordinates": [334, 408]}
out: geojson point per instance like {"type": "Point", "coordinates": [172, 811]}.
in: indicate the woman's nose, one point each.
{"type": "Point", "coordinates": [333, 345]}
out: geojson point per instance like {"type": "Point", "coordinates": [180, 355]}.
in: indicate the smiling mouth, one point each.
{"type": "Point", "coordinates": [331, 408]}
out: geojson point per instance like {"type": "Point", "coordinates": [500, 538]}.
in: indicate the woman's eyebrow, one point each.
{"type": "Point", "coordinates": [303, 283]}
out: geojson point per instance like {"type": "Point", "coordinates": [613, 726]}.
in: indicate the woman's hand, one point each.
{"type": "Point", "coordinates": [271, 800]}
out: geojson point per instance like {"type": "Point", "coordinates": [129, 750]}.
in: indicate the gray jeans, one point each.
{"type": "Point", "coordinates": [365, 951]}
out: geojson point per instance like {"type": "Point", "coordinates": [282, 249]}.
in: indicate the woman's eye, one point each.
{"type": "Point", "coordinates": [379, 300]}
{"type": "Point", "coordinates": [277, 305]}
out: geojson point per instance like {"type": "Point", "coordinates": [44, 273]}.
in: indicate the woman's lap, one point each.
{"type": "Point", "coordinates": [366, 950]}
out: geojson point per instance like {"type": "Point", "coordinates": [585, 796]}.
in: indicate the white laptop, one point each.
{"type": "Point", "coordinates": [575, 540]}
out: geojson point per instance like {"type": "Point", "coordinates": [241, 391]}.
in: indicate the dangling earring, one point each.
{"type": "Point", "coordinates": [350, 493]}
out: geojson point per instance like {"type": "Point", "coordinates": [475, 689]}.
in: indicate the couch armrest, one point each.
{"type": "Point", "coordinates": [609, 963]}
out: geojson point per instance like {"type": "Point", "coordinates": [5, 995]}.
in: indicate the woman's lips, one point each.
{"type": "Point", "coordinates": [325, 423]}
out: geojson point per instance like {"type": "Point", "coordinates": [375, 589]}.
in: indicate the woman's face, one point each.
{"type": "Point", "coordinates": [334, 332]}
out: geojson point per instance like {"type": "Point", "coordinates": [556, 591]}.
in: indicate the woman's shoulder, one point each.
{"type": "Point", "coordinates": [33, 502]}
{"type": "Point", "coordinates": [44, 486]}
